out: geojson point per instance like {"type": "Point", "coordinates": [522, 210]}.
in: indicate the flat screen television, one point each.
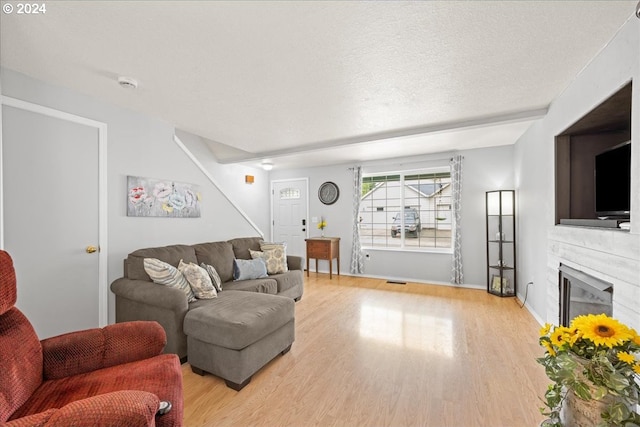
{"type": "Point", "coordinates": [613, 182]}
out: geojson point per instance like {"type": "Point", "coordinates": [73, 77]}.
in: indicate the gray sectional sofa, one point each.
{"type": "Point", "coordinates": [138, 298]}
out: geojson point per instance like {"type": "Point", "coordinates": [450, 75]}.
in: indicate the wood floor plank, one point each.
{"type": "Point", "coordinates": [369, 353]}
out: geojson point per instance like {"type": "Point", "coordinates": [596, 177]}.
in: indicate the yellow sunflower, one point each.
{"type": "Point", "coordinates": [549, 347]}
{"type": "Point", "coordinates": [626, 357]}
{"type": "Point", "coordinates": [574, 336]}
{"type": "Point", "coordinates": [545, 329]}
{"type": "Point", "coordinates": [636, 369]}
{"type": "Point", "coordinates": [560, 336]}
{"type": "Point", "coordinates": [602, 330]}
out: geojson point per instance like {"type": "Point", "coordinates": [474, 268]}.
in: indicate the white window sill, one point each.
{"type": "Point", "coordinates": [444, 251]}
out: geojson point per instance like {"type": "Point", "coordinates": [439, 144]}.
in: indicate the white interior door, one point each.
{"type": "Point", "coordinates": [51, 196]}
{"type": "Point", "coordinates": [290, 217]}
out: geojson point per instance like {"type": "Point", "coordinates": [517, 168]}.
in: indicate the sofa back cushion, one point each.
{"type": "Point", "coordinates": [219, 255]}
{"type": "Point", "coordinates": [134, 264]}
{"type": "Point", "coordinates": [242, 245]}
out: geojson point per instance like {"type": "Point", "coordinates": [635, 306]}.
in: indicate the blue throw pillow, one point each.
{"type": "Point", "coordinates": [245, 269]}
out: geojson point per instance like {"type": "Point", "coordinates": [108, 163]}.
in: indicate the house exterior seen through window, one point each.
{"type": "Point", "coordinates": [409, 211]}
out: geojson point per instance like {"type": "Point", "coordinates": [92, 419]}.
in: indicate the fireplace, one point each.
{"type": "Point", "coordinates": [581, 293]}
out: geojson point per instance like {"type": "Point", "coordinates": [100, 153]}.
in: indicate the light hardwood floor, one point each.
{"type": "Point", "coordinates": [368, 353]}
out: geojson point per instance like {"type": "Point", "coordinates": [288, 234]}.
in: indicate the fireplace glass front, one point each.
{"type": "Point", "coordinates": [581, 293]}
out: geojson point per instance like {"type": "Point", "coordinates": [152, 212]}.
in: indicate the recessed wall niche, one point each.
{"type": "Point", "coordinates": [606, 126]}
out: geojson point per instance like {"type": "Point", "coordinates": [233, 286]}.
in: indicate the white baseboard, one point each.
{"type": "Point", "coordinates": [404, 279]}
{"type": "Point", "coordinates": [434, 282]}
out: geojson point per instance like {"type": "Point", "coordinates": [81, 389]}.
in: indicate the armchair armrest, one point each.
{"type": "Point", "coordinates": [85, 351]}
{"type": "Point", "coordinates": [295, 262]}
{"type": "Point", "coordinates": [122, 408]}
{"type": "Point", "coordinates": [34, 420]}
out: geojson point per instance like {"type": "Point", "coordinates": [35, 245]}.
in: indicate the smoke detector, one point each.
{"type": "Point", "coordinates": [127, 82]}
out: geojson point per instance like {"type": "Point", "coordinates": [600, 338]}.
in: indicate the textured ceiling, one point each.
{"type": "Point", "coordinates": [320, 82]}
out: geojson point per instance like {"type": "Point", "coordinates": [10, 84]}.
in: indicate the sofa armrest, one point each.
{"type": "Point", "coordinates": [151, 294]}
{"type": "Point", "coordinates": [295, 262]}
{"type": "Point", "coordinates": [85, 351]}
{"type": "Point", "coordinates": [144, 300]}
{"type": "Point", "coordinates": [122, 408]}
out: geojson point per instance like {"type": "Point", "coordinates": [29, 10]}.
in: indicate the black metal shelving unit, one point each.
{"type": "Point", "coordinates": [501, 242]}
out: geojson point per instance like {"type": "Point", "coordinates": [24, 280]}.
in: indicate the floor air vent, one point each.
{"type": "Point", "coordinates": [396, 282]}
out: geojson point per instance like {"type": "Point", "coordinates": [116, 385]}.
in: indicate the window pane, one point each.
{"type": "Point", "coordinates": [289, 193]}
{"type": "Point", "coordinates": [412, 211]}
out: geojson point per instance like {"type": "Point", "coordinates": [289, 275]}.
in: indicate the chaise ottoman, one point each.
{"type": "Point", "coordinates": [238, 334]}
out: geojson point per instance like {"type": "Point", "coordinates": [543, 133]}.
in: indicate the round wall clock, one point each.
{"type": "Point", "coordinates": [328, 193]}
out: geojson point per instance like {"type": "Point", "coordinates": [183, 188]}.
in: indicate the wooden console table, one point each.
{"type": "Point", "coordinates": [324, 248]}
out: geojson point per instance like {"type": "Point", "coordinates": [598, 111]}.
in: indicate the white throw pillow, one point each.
{"type": "Point", "coordinates": [199, 280]}
{"type": "Point", "coordinates": [167, 275]}
{"type": "Point", "coordinates": [275, 256]}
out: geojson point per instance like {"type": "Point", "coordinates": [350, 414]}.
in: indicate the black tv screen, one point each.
{"type": "Point", "coordinates": [613, 181]}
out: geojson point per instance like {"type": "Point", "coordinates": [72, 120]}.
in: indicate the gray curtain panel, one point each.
{"type": "Point", "coordinates": [357, 260]}
{"type": "Point", "coordinates": [457, 276]}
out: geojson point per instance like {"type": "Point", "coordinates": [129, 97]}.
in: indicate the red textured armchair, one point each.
{"type": "Point", "coordinates": [114, 376]}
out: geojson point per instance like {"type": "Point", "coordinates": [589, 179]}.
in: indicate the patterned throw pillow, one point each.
{"type": "Point", "coordinates": [213, 274]}
{"type": "Point", "coordinates": [246, 269]}
{"type": "Point", "coordinates": [275, 256]}
{"type": "Point", "coordinates": [166, 274]}
{"type": "Point", "coordinates": [199, 280]}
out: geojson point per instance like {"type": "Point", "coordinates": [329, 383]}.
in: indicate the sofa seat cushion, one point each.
{"type": "Point", "coordinates": [134, 264]}
{"type": "Point", "coordinates": [264, 286]}
{"type": "Point", "coordinates": [288, 280]}
{"type": "Point", "coordinates": [158, 378]}
{"type": "Point", "coordinates": [219, 255]}
{"type": "Point", "coordinates": [236, 319]}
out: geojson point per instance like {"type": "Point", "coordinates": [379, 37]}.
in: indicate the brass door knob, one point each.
{"type": "Point", "coordinates": [91, 249]}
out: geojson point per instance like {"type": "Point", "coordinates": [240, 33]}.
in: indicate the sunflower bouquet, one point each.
{"type": "Point", "coordinates": [596, 359]}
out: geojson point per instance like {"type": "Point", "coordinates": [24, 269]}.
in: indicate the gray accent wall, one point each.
{"type": "Point", "coordinates": [143, 146]}
{"type": "Point", "coordinates": [484, 169]}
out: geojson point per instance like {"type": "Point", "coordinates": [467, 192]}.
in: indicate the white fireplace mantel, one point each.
{"type": "Point", "coordinates": [611, 255]}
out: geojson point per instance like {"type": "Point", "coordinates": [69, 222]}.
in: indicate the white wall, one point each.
{"type": "Point", "coordinates": [252, 199]}
{"type": "Point", "coordinates": [338, 215]}
{"type": "Point", "coordinates": [484, 170]}
{"type": "Point", "coordinates": [142, 146]}
{"type": "Point", "coordinates": [612, 68]}
{"type": "Point", "coordinates": [533, 182]}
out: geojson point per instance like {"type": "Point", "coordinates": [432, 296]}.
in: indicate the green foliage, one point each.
{"type": "Point", "coordinates": [366, 187]}
{"type": "Point", "coordinates": [593, 369]}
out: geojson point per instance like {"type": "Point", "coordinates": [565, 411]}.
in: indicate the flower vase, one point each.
{"type": "Point", "coordinates": [322, 233]}
{"type": "Point", "coordinates": [577, 412]}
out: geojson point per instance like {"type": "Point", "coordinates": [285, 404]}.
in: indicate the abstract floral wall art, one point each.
{"type": "Point", "coordinates": [164, 198]}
